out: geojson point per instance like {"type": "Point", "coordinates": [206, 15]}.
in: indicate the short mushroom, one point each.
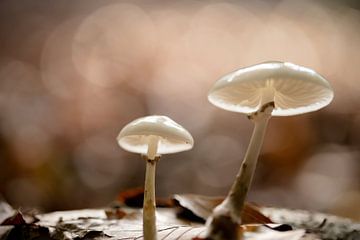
{"type": "Point", "coordinates": [152, 136]}
{"type": "Point", "coordinates": [261, 91]}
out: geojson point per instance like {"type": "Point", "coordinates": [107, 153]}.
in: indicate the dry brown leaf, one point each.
{"type": "Point", "coordinates": [202, 207]}
{"type": "Point", "coordinates": [115, 213]}
{"type": "Point", "coordinates": [16, 219]}
{"type": "Point", "coordinates": [134, 197]}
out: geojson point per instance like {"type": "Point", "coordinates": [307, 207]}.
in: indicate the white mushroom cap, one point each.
{"type": "Point", "coordinates": [172, 137]}
{"type": "Point", "coordinates": [294, 89]}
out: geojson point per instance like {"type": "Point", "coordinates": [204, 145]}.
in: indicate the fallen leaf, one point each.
{"type": "Point", "coordinates": [16, 219]}
{"type": "Point", "coordinates": [199, 205]}
{"type": "Point", "coordinates": [26, 231]}
{"type": "Point", "coordinates": [6, 211]}
{"type": "Point", "coordinates": [4, 231]}
{"type": "Point", "coordinates": [324, 226]}
{"type": "Point", "coordinates": [280, 227]}
{"type": "Point", "coordinates": [252, 214]}
{"type": "Point", "coordinates": [96, 224]}
{"type": "Point", "coordinates": [261, 232]}
{"type": "Point", "coordinates": [77, 224]}
{"type": "Point", "coordinates": [115, 213]}
{"type": "Point", "coordinates": [134, 197]}
{"type": "Point", "coordinates": [202, 207]}
{"type": "Point", "coordinates": [85, 223]}
{"type": "Point", "coordinates": [264, 233]}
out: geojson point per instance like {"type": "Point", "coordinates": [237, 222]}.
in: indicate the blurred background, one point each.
{"type": "Point", "coordinates": [73, 73]}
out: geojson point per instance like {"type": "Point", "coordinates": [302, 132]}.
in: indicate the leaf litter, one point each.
{"type": "Point", "coordinates": [123, 220]}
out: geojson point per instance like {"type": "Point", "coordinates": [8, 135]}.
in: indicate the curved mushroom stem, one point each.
{"type": "Point", "coordinates": [149, 206]}
{"type": "Point", "coordinates": [230, 209]}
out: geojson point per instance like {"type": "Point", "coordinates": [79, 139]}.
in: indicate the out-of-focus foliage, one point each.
{"type": "Point", "coordinates": [72, 74]}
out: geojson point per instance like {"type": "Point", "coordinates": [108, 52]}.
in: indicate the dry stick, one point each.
{"type": "Point", "coordinates": [226, 217]}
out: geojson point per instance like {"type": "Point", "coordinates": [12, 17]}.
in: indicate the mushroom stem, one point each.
{"type": "Point", "coordinates": [267, 94]}
{"type": "Point", "coordinates": [230, 209]}
{"type": "Point", "coordinates": [149, 207]}
{"type": "Point", "coordinates": [152, 147]}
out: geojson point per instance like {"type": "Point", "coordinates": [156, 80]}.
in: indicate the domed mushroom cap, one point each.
{"type": "Point", "coordinates": [294, 89]}
{"type": "Point", "coordinates": [172, 137]}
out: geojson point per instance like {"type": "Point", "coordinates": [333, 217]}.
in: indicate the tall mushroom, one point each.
{"type": "Point", "coordinates": [261, 91]}
{"type": "Point", "coordinates": [152, 136]}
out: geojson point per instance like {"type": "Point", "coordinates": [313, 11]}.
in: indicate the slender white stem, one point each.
{"type": "Point", "coordinates": [149, 207]}
{"type": "Point", "coordinates": [230, 209]}
{"type": "Point", "coordinates": [267, 94]}
{"type": "Point", "coordinates": [245, 175]}
{"type": "Point", "coordinates": [152, 147]}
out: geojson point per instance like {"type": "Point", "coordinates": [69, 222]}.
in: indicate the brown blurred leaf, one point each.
{"type": "Point", "coordinates": [131, 197]}
{"type": "Point", "coordinates": [134, 197]}
{"type": "Point", "coordinates": [16, 219]}
{"type": "Point", "coordinates": [202, 207]}
{"type": "Point", "coordinates": [115, 213]}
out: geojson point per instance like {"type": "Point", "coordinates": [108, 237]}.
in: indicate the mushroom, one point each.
{"type": "Point", "coordinates": [261, 91]}
{"type": "Point", "coordinates": [152, 136]}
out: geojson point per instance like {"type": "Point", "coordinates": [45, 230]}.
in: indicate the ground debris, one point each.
{"type": "Point", "coordinates": [123, 222]}
{"type": "Point", "coordinates": [325, 226]}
